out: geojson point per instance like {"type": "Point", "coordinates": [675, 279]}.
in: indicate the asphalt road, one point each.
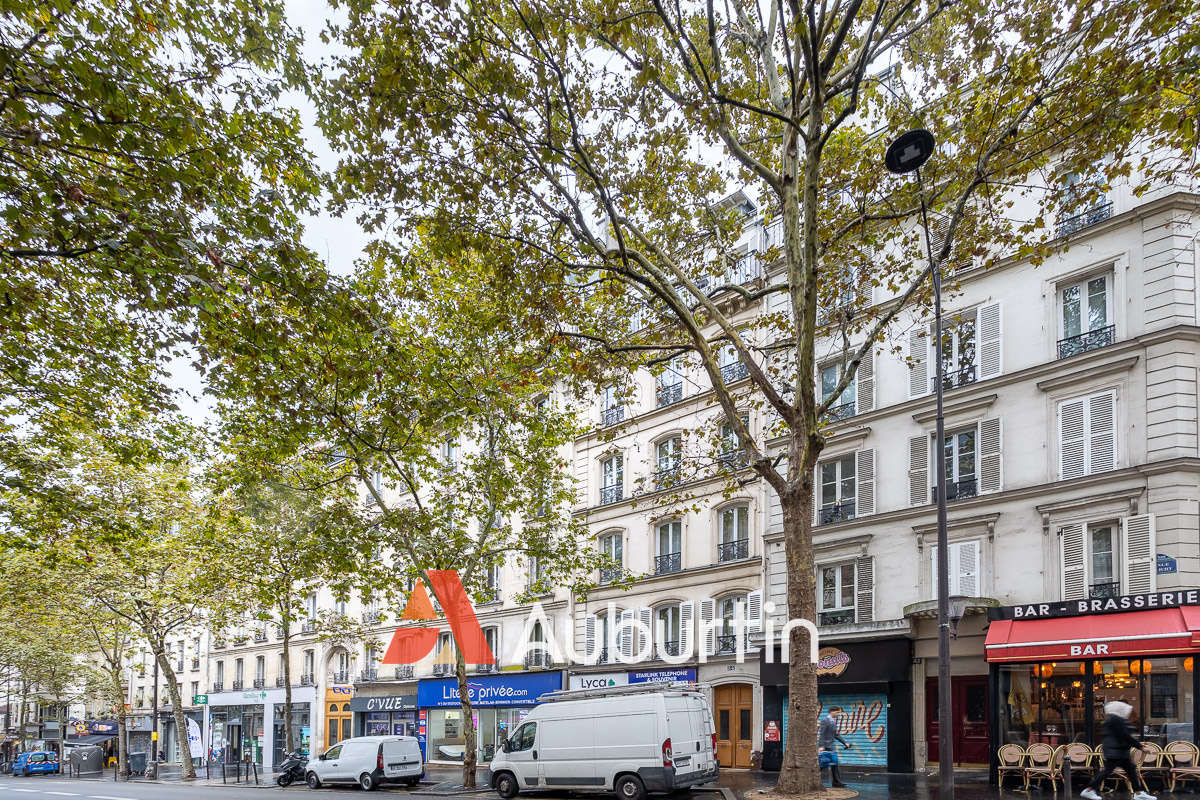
{"type": "Point", "coordinates": [48, 787]}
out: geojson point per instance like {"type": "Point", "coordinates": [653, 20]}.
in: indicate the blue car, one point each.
{"type": "Point", "coordinates": [34, 762]}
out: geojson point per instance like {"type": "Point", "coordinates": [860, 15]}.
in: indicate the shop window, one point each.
{"type": "Point", "coordinates": [837, 595]}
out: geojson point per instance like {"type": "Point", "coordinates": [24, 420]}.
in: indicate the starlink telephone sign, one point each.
{"type": "Point", "coordinates": [1105, 605]}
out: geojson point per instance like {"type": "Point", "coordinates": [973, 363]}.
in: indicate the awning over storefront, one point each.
{"type": "Point", "coordinates": [90, 738]}
{"type": "Point", "coordinates": [1163, 631]}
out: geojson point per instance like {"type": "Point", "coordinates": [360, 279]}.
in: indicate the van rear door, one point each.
{"type": "Point", "coordinates": [685, 725]}
{"type": "Point", "coordinates": [400, 758]}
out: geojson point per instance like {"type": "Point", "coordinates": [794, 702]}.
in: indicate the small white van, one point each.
{"type": "Point", "coordinates": [627, 739]}
{"type": "Point", "coordinates": [368, 761]}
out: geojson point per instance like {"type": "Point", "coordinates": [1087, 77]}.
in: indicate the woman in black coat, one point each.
{"type": "Point", "coordinates": [1118, 741]}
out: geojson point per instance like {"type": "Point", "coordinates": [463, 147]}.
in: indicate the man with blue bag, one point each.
{"type": "Point", "coordinates": [827, 733]}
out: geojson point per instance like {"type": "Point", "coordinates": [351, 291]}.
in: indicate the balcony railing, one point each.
{"type": "Point", "coordinates": [728, 643]}
{"type": "Point", "coordinates": [668, 395]}
{"type": "Point", "coordinates": [1084, 342]}
{"type": "Point", "coordinates": [733, 459]}
{"type": "Point", "coordinates": [839, 512]}
{"type": "Point", "coordinates": [610, 494]}
{"type": "Point", "coordinates": [339, 676]}
{"type": "Point", "coordinates": [1103, 591]}
{"type": "Point", "coordinates": [610, 574]}
{"type": "Point", "coordinates": [260, 636]}
{"type": "Point", "coordinates": [278, 681]}
{"type": "Point", "coordinates": [218, 644]}
{"type": "Point", "coordinates": [668, 563]}
{"type": "Point", "coordinates": [278, 631]}
{"type": "Point", "coordinates": [482, 668]}
{"type": "Point", "coordinates": [734, 372]}
{"type": "Point", "coordinates": [238, 685]}
{"type": "Point", "coordinates": [957, 490]}
{"type": "Point", "coordinates": [195, 663]}
{"type": "Point", "coordinates": [404, 672]}
{"type": "Point", "coordinates": [744, 269]}
{"type": "Point", "coordinates": [839, 412]}
{"type": "Point", "coordinates": [611, 416]}
{"type": "Point", "coordinates": [773, 233]}
{"type": "Point", "coordinates": [310, 626]}
{"type": "Point", "coordinates": [308, 679]}
{"type": "Point", "coordinates": [368, 675]}
{"type": "Point", "coordinates": [666, 478]}
{"type": "Point", "coordinates": [371, 617]}
{"type": "Point", "coordinates": [537, 658]}
{"type": "Point", "coordinates": [443, 669]}
{"type": "Point", "coordinates": [605, 656]}
{"type": "Point", "coordinates": [668, 648]}
{"type": "Point", "coordinates": [218, 686]}
{"type": "Point", "coordinates": [733, 551]}
{"type": "Point", "coordinates": [260, 683]}
{"type": "Point", "coordinates": [1092, 216]}
{"type": "Point", "coordinates": [842, 616]}
{"type": "Point", "coordinates": [953, 378]}
{"type": "Point", "coordinates": [241, 638]}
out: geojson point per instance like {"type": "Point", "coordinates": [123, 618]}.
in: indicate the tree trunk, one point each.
{"type": "Point", "coordinates": [122, 734]}
{"type": "Point", "coordinates": [289, 736]}
{"type": "Point", "coordinates": [464, 699]}
{"type": "Point", "coordinates": [800, 773]}
{"type": "Point", "coordinates": [181, 731]}
{"type": "Point", "coordinates": [22, 713]}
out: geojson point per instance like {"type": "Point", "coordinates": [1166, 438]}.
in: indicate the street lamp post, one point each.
{"type": "Point", "coordinates": [906, 154]}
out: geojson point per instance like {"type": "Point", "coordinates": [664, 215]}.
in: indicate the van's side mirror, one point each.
{"type": "Point", "coordinates": [506, 746]}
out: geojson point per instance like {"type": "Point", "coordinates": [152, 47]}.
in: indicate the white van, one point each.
{"type": "Point", "coordinates": [368, 761]}
{"type": "Point", "coordinates": [627, 739]}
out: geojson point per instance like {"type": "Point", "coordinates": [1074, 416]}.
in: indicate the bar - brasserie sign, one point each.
{"type": "Point", "coordinates": [1099, 605]}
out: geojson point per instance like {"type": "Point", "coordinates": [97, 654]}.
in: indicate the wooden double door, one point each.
{"type": "Point", "coordinates": [733, 718]}
{"type": "Point", "coordinates": [970, 712]}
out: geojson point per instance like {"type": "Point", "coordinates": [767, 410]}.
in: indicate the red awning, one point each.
{"type": "Point", "coordinates": [1160, 631]}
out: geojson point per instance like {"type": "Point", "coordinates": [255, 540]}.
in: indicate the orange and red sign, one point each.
{"type": "Point", "coordinates": [410, 645]}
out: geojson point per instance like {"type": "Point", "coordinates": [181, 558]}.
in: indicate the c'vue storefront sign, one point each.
{"type": "Point", "coordinates": [1106, 605]}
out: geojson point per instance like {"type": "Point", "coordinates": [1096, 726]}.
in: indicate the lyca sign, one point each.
{"type": "Point", "coordinates": [1110, 605]}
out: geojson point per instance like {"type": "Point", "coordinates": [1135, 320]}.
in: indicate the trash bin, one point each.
{"type": "Point", "coordinates": [88, 760]}
{"type": "Point", "coordinates": [137, 763]}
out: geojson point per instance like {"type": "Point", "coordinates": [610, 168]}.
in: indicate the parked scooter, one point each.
{"type": "Point", "coordinates": [292, 768]}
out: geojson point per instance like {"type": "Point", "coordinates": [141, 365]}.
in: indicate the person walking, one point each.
{"type": "Point", "coordinates": [827, 733]}
{"type": "Point", "coordinates": [1118, 740]}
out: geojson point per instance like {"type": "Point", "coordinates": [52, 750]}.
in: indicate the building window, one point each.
{"type": "Point", "coordinates": [959, 454]}
{"type": "Point", "coordinates": [667, 630]}
{"type": "Point", "coordinates": [735, 534]}
{"type": "Point", "coordinates": [311, 606]}
{"type": "Point", "coordinates": [533, 567]}
{"type": "Point", "coordinates": [604, 639]}
{"type": "Point", "coordinates": [612, 479]}
{"type": "Point", "coordinates": [450, 452]}
{"type": "Point", "coordinates": [669, 547]}
{"type": "Point", "coordinates": [195, 690]}
{"type": "Point", "coordinates": [843, 407]}
{"type": "Point", "coordinates": [613, 546]}
{"type": "Point", "coordinates": [958, 352]}
{"type": "Point", "coordinates": [238, 674]}
{"type": "Point", "coordinates": [1087, 435]}
{"type": "Point", "coordinates": [732, 456]}
{"type": "Point", "coordinates": [1085, 203]}
{"type": "Point", "coordinates": [611, 410]}
{"type": "Point", "coordinates": [1086, 319]}
{"type": "Point", "coordinates": [668, 460]}
{"type": "Point", "coordinates": [1103, 553]}
{"type": "Point", "coordinates": [491, 636]}
{"type": "Point", "coordinates": [731, 610]}
{"type": "Point", "coordinates": [537, 655]}
{"type": "Point", "coordinates": [837, 595]}
{"type": "Point", "coordinates": [492, 584]}
{"type": "Point", "coordinates": [220, 680]}
{"type": "Point", "coordinates": [837, 490]}
{"type": "Point", "coordinates": [668, 387]}
{"type": "Point", "coordinates": [963, 565]}
{"type": "Point", "coordinates": [732, 368]}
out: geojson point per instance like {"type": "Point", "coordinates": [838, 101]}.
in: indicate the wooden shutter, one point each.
{"type": "Point", "coordinates": [864, 471]}
{"type": "Point", "coordinates": [646, 630]}
{"type": "Point", "coordinates": [1102, 434]}
{"type": "Point", "coordinates": [918, 470]}
{"type": "Point", "coordinates": [964, 568]}
{"type": "Point", "coordinates": [990, 478]}
{"type": "Point", "coordinates": [864, 585]}
{"type": "Point", "coordinates": [687, 623]}
{"type": "Point", "coordinates": [1074, 562]}
{"type": "Point", "coordinates": [1139, 561]}
{"type": "Point", "coordinates": [1072, 440]}
{"type": "Point", "coordinates": [708, 610]}
{"type": "Point", "coordinates": [625, 633]}
{"type": "Point", "coordinates": [990, 351]}
{"type": "Point", "coordinates": [918, 363]}
{"type": "Point", "coordinates": [864, 383]}
{"type": "Point", "coordinates": [590, 651]}
{"type": "Point", "coordinates": [754, 611]}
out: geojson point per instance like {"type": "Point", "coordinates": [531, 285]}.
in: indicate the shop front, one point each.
{"type": "Point", "coordinates": [339, 719]}
{"type": "Point", "coordinates": [498, 704]}
{"type": "Point", "coordinates": [242, 725]}
{"type": "Point", "coordinates": [1053, 666]}
{"type": "Point", "coordinates": [871, 681]}
{"type": "Point", "coordinates": [387, 715]}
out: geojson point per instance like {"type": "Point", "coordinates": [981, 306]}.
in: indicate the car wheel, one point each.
{"type": "Point", "coordinates": [367, 782]}
{"type": "Point", "coordinates": [630, 787]}
{"type": "Point", "coordinates": [312, 780]}
{"type": "Point", "coordinates": [505, 785]}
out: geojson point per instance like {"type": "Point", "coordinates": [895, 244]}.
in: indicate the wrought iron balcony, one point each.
{"type": "Point", "coordinates": [238, 685]}
{"type": "Point", "coordinates": [240, 638]}
{"type": "Point", "coordinates": [404, 672]}
{"type": "Point", "coordinates": [368, 675]}
{"type": "Point", "coordinates": [668, 395]}
{"type": "Point", "coordinates": [842, 616]}
{"type": "Point", "coordinates": [666, 478]}
{"type": "Point", "coordinates": [218, 643]}
{"type": "Point", "coordinates": [487, 668]}
{"type": "Point", "coordinates": [278, 681]}
{"type": "Point", "coordinates": [957, 490]}
{"type": "Point", "coordinates": [218, 686]}
{"type": "Point", "coordinates": [611, 416]}
{"type": "Point", "coordinates": [278, 631]}
{"type": "Point", "coordinates": [668, 563]}
{"type": "Point", "coordinates": [744, 269]}
{"type": "Point", "coordinates": [733, 551]}
{"type": "Point", "coordinates": [668, 648]}
{"type": "Point", "coordinates": [610, 574]}
{"type": "Point", "coordinates": [260, 636]}
{"type": "Point", "coordinates": [195, 664]}
{"type": "Point", "coordinates": [1103, 591]}
{"type": "Point", "coordinates": [728, 643]}
{"type": "Point", "coordinates": [1085, 342]}
{"type": "Point", "coordinates": [537, 658]}
{"type": "Point", "coordinates": [733, 459]}
{"type": "Point", "coordinates": [839, 512]}
{"type": "Point", "coordinates": [1095, 214]}
{"type": "Point", "coordinates": [734, 372]}
{"type": "Point", "coordinates": [260, 683]}
{"type": "Point", "coordinates": [339, 676]}
{"type": "Point", "coordinates": [839, 412]}
{"type": "Point", "coordinates": [308, 679]}
{"type": "Point", "coordinates": [610, 494]}
{"type": "Point", "coordinates": [309, 626]}
{"type": "Point", "coordinates": [953, 378]}
{"type": "Point", "coordinates": [371, 617]}
{"type": "Point", "coordinates": [605, 656]}
{"type": "Point", "coordinates": [443, 669]}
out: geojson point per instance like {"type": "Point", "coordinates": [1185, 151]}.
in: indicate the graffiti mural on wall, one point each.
{"type": "Point", "coordinates": [864, 726]}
